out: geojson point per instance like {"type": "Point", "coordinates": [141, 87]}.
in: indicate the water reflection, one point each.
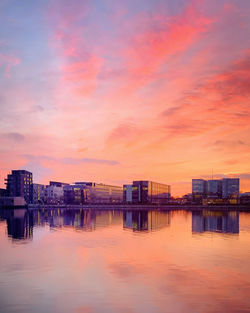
{"type": "Point", "coordinates": [20, 222]}
{"type": "Point", "coordinates": [93, 265]}
{"type": "Point", "coordinates": [145, 220]}
{"type": "Point", "coordinates": [215, 221]}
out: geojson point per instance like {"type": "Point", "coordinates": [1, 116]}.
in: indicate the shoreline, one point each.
{"type": "Point", "coordinates": [136, 207]}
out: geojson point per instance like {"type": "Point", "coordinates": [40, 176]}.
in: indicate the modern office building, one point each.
{"type": "Point", "coordinates": [127, 193]}
{"type": "Point", "coordinates": [199, 190]}
{"type": "Point", "coordinates": [214, 188]}
{"type": "Point", "coordinates": [38, 193]}
{"type": "Point", "coordinates": [230, 188]}
{"type": "Point", "coordinates": [144, 191]}
{"type": "Point", "coordinates": [20, 184]}
{"type": "Point", "coordinates": [74, 194]}
{"type": "Point", "coordinates": [102, 193]}
{"type": "Point", "coordinates": [91, 192]}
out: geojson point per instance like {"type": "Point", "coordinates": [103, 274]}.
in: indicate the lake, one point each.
{"type": "Point", "coordinates": [87, 261]}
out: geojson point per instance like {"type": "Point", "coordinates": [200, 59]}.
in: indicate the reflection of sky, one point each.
{"type": "Point", "coordinates": [112, 270]}
{"type": "Point", "coordinates": [127, 86]}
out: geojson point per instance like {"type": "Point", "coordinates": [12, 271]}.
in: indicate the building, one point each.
{"type": "Point", "coordinates": [230, 188]}
{"type": "Point", "coordinates": [102, 193]}
{"type": "Point", "coordinates": [245, 198]}
{"type": "Point", "coordinates": [91, 192]}
{"type": "Point", "coordinates": [74, 194]}
{"type": "Point", "coordinates": [39, 193]}
{"type": "Point", "coordinates": [12, 201]}
{"type": "Point", "coordinates": [144, 191]}
{"type": "Point", "coordinates": [127, 193]}
{"type": "Point", "coordinates": [57, 184]}
{"type": "Point", "coordinates": [3, 192]}
{"type": "Point", "coordinates": [54, 193]}
{"type": "Point", "coordinates": [199, 190]}
{"type": "Point", "coordinates": [19, 184]}
{"type": "Point", "coordinates": [214, 188]}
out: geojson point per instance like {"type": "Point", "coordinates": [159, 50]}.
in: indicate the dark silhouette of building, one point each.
{"type": "Point", "coordinates": [3, 192]}
{"type": "Point", "coordinates": [144, 191]}
{"type": "Point", "coordinates": [19, 184]}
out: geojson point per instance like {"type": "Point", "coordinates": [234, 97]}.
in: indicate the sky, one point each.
{"type": "Point", "coordinates": [116, 91]}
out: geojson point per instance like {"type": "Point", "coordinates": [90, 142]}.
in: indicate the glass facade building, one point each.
{"type": "Point", "coordinates": [214, 188]}
{"type": "Point", "coordinates": [230, 187]}
{"type": "Point", "coordinates": [144, 191]}
{"type": "Point", "coordinates": [74, 194]}
{"type": "Point", "coordinates": [90, 192]}
{"type": "Point", "coordinates": [199, 190]}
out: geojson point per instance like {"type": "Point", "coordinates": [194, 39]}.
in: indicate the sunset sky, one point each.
{"type": "Point", "coordinates": [114, 91]}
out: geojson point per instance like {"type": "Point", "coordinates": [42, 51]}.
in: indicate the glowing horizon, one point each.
{"type": "Point", "coordinates": [116, 91]}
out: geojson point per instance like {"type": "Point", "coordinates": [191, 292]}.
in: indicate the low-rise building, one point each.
{"type": "Point", "coordinates": [54, 193]}
{"type": "Point", "coordinates": [91, 192]}
{"type": "Point", "coordinates": [38, 194]}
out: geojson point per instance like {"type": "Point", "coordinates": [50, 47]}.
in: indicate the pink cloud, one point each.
{"type": "Point", "coordinates": [79, 65]}
{"type": "Point", "coordinates": [7, 62]}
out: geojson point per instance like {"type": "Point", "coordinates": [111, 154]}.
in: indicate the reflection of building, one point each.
{"type": "Point", "coordinates": [215, 221]}
{"type": "Point", "coordinates": [145, 220]}
{"type": "Point", "coordinates": [230, 187]}
{"type": "Point", "coordinates": [19, 223]}
{"type": "Point", "coordinates": [19, 184]}
{"type": "Point", "coordinates": [144, 191]}
{"type": "Point", "coordinates": [79, 219]}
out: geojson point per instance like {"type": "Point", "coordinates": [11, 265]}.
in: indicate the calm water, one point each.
{"type": "Point", "coordinates": [114, 261]}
